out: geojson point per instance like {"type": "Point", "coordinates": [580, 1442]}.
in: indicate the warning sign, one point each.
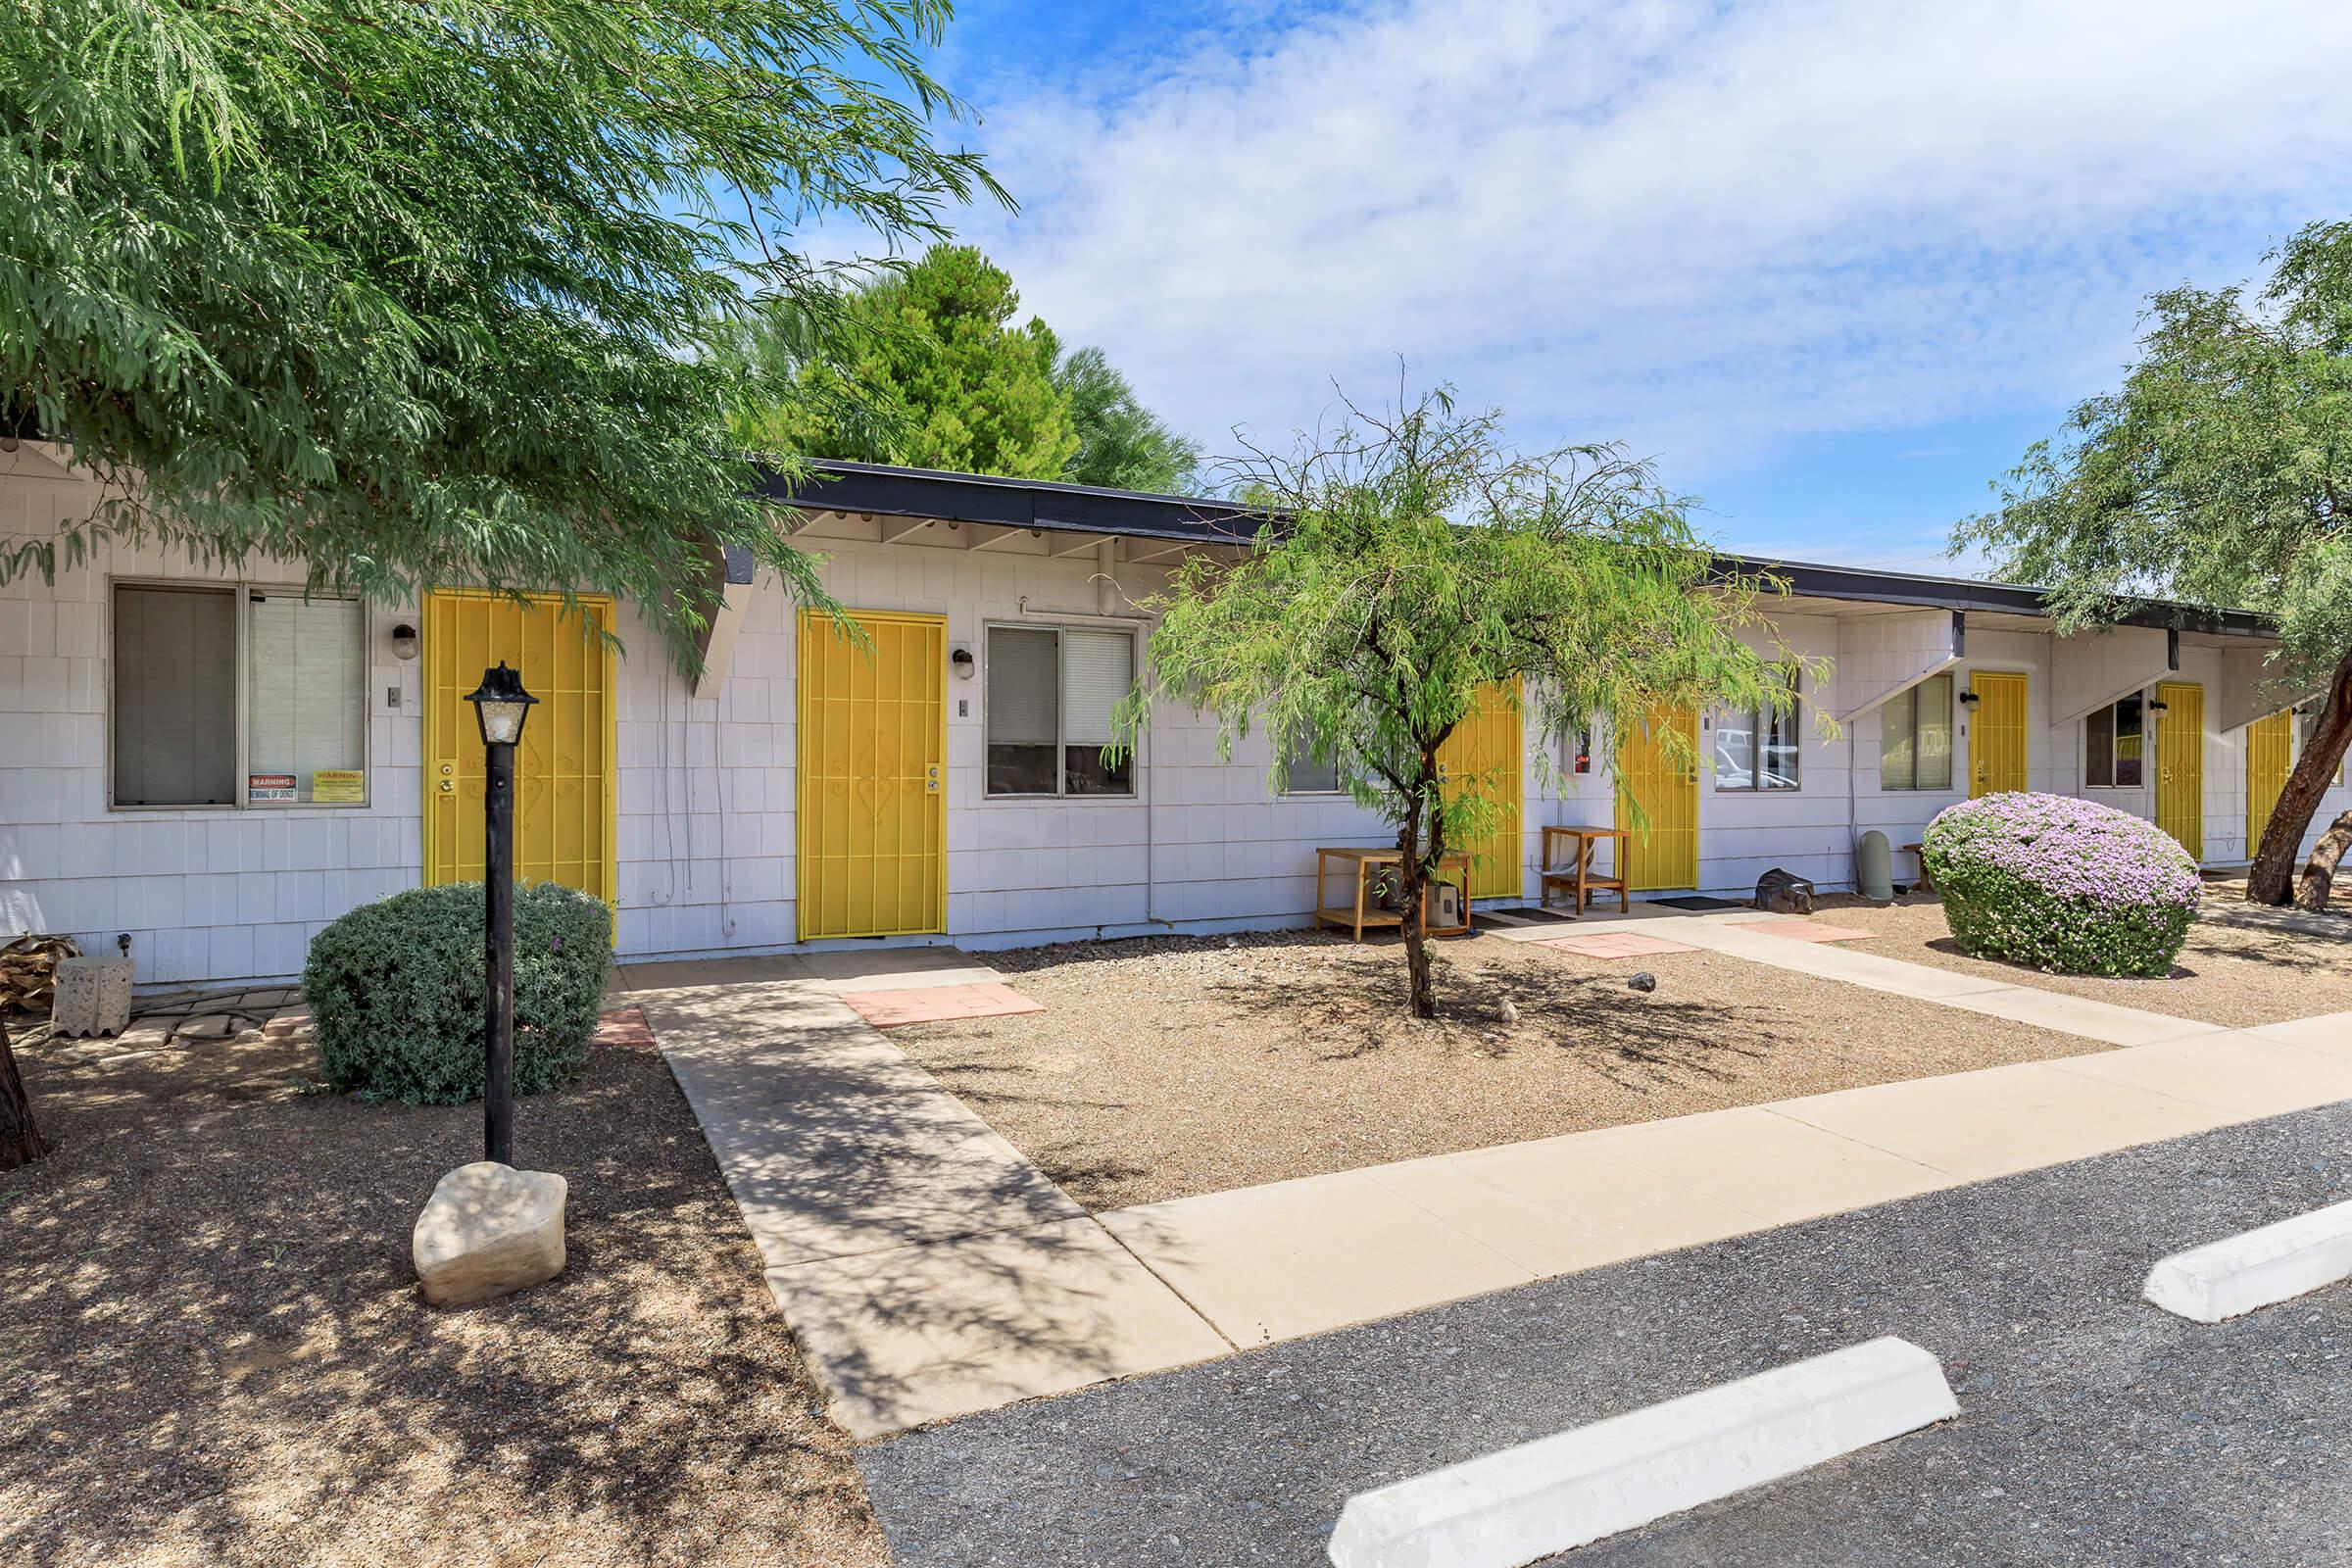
{"type": "Point", "coordinates": [339, 786]}
{"type": "Point", "coordinates": [270, 787]}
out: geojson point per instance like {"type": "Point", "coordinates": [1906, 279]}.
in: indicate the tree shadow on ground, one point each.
{"type": "Point", "coordinates": [225, 1359]}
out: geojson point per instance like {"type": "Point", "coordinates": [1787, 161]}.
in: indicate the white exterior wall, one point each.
{"type": "Point", "coordinates": [211, 893]}
{"type": "Point", "coordinates": [1202, 844]}
{"type": "Point", "coordinates": [704, 792]}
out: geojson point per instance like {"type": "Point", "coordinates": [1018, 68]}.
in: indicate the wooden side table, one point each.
{"type": "Point", "coordinates": [1355, 916]}
{"type": "Point", "coordinates": [1574, 870]}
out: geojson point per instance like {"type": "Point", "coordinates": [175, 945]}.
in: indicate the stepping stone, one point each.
{"type": "Point", "coordinates": [1616, 944]}
{"type": "Point", "coordinates": [885, 1009]}
{"type": "Point", "coordinates": [624, 1028]}
{"type": "Point", "coordinates": [1808, 931]}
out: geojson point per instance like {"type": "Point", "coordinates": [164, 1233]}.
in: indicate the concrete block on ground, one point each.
{"type": "Point", "coordinates": [93, 996]}
{"type": "Point", "coordinates": [2255, 1268]}
{"type": "Point", "coordinates": [1547, 1497]}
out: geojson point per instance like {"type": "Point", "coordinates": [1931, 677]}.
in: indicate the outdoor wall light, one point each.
{"type": "Point", "coordinates": [2160, 707]}
{"type": "Point", "coordinates": [1969, 699]}
{"type": "Point", "coordinates": [961, 660]}
{"type": "Point", "coordinates": [403, 642]}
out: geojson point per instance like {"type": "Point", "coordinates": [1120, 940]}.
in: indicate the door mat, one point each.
{"type": "Point", "coordinates": [1697, 902]}
{"type": "Point", "coordinates": [1508, 920]}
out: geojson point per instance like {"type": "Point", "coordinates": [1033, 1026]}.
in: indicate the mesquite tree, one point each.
{"type": "Point", "coordinates": [2220, 474]}
{"type": "Point", "coordinates": [411, 291]}
{"type": "Point", "coordinates": [1410, 563]}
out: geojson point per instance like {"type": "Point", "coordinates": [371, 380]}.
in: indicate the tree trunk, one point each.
{"type": "Point", "coordinates": [2319, 875]}
{"type": "Point", "coordinates": [1414, 885]}
{"type": "Point", "coordinates": [20, 1143]}
{"type": "Point", "coordinates": [2272, 880]}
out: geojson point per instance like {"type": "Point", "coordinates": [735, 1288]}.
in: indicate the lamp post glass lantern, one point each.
{"type": "Point", "coordinates": [500, 707]}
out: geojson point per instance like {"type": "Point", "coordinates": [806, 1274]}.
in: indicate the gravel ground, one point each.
{"type": "Point", "coordinates": [1164, 1067]}
{"type": "Point", "coordinates": [216, 1353]}
{"type": "Point", "coordinates": [2094, 1430]}
{"type": "Point", "coordinates": [2225, 974]}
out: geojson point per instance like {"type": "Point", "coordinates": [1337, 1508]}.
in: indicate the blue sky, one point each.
{"type": "Point", "coordinates": [1834, 263]}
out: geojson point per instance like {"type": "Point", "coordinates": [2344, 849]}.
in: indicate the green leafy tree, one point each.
{"type": "Point", "coordinates": [414, 290]}
{"type": "Point", "coordinates": [2220, 474]}
{"type": "Point", "coordinates": [927, 367]}
{"type": "Point", "coordinates": [1121, 444]}
{"type": "Point", "coordinates": [1412, 563]}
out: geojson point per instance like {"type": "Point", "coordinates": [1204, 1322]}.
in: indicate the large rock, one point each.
{"type": "Point", "coordinates": [489, 1230]}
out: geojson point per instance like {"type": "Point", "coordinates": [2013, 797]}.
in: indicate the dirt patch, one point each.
{"type": "Point", "coordinates": [1170, 1067]}
{"type": "Point", "coordinates": [2226, 974]}
{"type": "Point", "coordinates": [217, 1352]}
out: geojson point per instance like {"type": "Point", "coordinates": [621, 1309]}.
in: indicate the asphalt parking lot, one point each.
{"type": "Point", "coordinates": [2093, 1429]}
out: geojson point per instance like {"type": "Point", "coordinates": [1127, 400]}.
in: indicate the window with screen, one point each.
{"type": "Point", "coordinates": [2115, 745]}
{"type": "Point", "coordinates": [1052, 692]}
{"type": "Point", "coordinates": [1915, 737]}
{"type": "Point", "coordinates": [1302, 774]}
{"type": "Point", "coordinates": [174, 709]}
{"type": "Point", "coordinates": [236, 696]}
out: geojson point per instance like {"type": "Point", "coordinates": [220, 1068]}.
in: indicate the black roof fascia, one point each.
{"type": "Point", "coordinates": [882, 490]}
{"type": "Point", "coordinates": [1864, 586]}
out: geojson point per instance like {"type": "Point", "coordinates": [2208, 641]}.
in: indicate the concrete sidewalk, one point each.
{"type": "Point", "coordinates": [1299, 1257]}
{"type": "Point", "coordinates": [928, 1267]}
{"type": "Point", "coordinates": [932, 1270]}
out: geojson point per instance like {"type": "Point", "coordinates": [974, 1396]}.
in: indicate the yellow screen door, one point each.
{"type": "Point", "coordinates": [1481, 754]}
{"type": "Point", "coordinates": [563, 765]}
{"type": "Point", "coordinates": [2270, 758]}
{"type": "Point", "coordinates": [873, 801]}
{"type": "Point", "coordinates": [2180, 765]}
{"type": "Point", "coordinates": [1663, 850]}
{"type": "Point", "coordinates": [1996, 747]}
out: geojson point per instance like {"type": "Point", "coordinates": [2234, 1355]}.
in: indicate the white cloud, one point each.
{"type": "Point", "coordinates": [1701, 229]}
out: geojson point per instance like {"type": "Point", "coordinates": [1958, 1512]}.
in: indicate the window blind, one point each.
{"type": "Point", "coordinates": [304, 686]}
{"type": "Point", "coordinates": [1098, 671]}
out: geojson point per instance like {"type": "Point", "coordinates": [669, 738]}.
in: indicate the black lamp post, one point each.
{"type": "Point", "coordinates": [500, 707]}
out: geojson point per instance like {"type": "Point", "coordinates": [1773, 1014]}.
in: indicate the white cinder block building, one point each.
{"type": "Point", "coordinates": [218, 765]}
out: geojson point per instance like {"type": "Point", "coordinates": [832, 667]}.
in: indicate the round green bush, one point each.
{"type": "Point", "coordinates": [395, 991]}
{"type": "Point", "coordinates": [2067, 885]}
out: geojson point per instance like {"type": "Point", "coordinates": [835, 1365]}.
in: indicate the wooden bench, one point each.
{"type": "Point", "coordinates": [1355, 916]}
{"type": "Point", "coordinates": [1573, 872]}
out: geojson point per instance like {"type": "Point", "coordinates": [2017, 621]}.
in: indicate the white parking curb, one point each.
{"type": "Point", "coordinates": [1546, 1496]}
{"type": "Point", "coordinates": [2257, 1268]}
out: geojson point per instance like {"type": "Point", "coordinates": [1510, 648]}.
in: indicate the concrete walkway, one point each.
{"type": "Point", "coordinates": [931, 1270]}
{"type": "Point", "coordinates": [928, 1268]}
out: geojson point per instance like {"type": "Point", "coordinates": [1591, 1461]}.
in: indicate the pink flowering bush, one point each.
{"type": "Point", "coordinates": [2062, 885]}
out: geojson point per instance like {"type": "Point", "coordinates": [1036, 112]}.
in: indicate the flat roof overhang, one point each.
{"type": "Point", "coordinates": [873, 489]}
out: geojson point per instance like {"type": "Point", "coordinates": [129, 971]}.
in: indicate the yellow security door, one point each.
{"type": "Point", "coordinates": [2180, 765]}
{"type": "Point", "coordinates": [1482, 757]}
{"type": "Point", "coordinates": [564, 765]}
{"type": "Point", "coordinates": [2270, 758]}
{"type": "Point", "coordinates": [1997, 744]}
{"type": "Point", "coordinates": [873, 801]}
{"type": "Point", "coordinates": [1663, 850]}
